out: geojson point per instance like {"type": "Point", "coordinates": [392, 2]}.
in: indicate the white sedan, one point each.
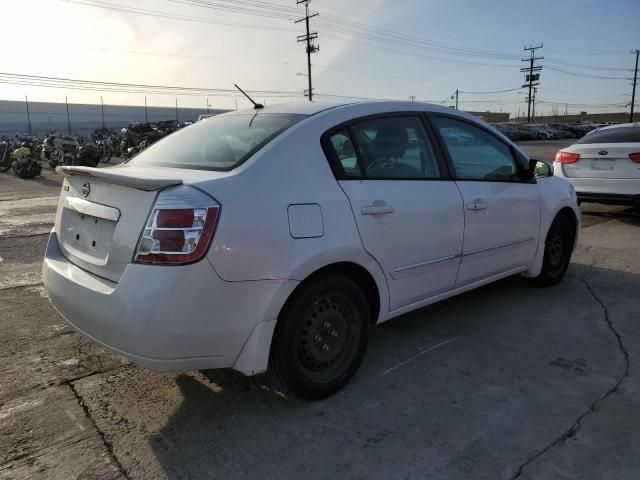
{"type": "Point", "coordinates": [273, 238]}
{"type": "Point", "coordinates": [604, 165]}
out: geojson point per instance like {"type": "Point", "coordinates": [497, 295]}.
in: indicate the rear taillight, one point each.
{"type": "Point", "coordinates": [179, 229]}
{"type": "Point", "coordinates": [566, 157]}
{"type": "Point", "coordinates": [635, 157]}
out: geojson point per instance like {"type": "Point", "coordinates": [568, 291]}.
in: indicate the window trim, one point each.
{"type": "Point", "coordinates": [338, 170]}
{"type": "Point", "coordinates": [445, 151]}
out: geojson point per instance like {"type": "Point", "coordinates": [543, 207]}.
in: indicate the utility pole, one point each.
{"type": "Point", "coordinates": [177, 121]}
{"type": "Point", "coordinates": [635, 82]}
{"type": "Point", "coordinates": [457, 93]}
{"type": "Point", "coordinates": [533, 103]}
{"type": "Point", "coordinates": [207, 100]}
{"type": "Point", "coordinates": [102, 106]}
{"type": "Point", "coordinates": [532, 78]}
{"type": "Point", "coordinates": [68, 117]}
{"type": "Point", "coordinates": [412, 98]}
{"type": "Point", "coordinates": [146, 118]}
{"type": "Point", "coordinates": [26, 102]}
{"type": "Point", "coordinates": [309, 37]}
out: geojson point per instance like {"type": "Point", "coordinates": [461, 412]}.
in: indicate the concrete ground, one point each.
{"type": "Point", "coordinates": [504, 382]}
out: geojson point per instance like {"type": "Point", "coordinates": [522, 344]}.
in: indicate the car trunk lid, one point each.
{"type": "Point", "coordinates": [604, 160]}
{"type": "Point", "coordinates": [102, 211]}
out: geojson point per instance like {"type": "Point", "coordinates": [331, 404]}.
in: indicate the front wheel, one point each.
{"type": "Point", "coordinates": [557, 253]}
{"type": "Point", "coordinates": [321, 337]}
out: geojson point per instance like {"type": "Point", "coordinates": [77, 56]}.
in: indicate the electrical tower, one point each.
{"type": "Point", "coordinates": [532, 78]}
{"type": "Point", "coordinates": [635, 82]}
{"type": "Point", "coordinates": [308, 38]}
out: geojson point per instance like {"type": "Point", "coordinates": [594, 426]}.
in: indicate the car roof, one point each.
{"type": "Point", "coordinates": [298, 108]}
{"type": "Point", "coordinates": [620, 125]}
{"type": "Point", "coordinates": [311, 108]}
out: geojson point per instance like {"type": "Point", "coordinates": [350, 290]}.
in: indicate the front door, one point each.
{"type": "Point", "coordinates": [502, 212]}
{"type": "Point", "coordinates": [410, 218]}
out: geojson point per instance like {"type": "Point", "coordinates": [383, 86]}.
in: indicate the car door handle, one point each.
{"type": "Point", "coordinates": [477, 205]}
{"type": "Point", "coordinates": [376, 209]}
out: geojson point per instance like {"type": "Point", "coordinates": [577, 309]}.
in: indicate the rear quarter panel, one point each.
{"type": "Point", "coordinates": [253, 240]}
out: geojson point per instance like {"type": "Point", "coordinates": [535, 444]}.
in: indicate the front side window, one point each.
{"type": "Point", "coordinates": [395, 147]}
{"type": "Point", "coordinates": [476, 154]}
{"type": "Point", "coordinates": [217, 143]}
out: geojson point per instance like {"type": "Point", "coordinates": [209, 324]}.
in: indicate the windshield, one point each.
{"type": "Point", "coordinates": [217, 143]}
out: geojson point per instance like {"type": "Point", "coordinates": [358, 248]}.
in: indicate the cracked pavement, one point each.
{"type": "Point", "coordinates": [504, 382]}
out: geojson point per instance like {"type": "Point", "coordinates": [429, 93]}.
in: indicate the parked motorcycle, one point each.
{"type": "Point", "coordinates": [88, 156]}
{"type": "Point", "coordinates": [25, 164]}
{"type": "Point", "coordinates": [6, 162]}
{"type": "Point", "coordinates": [59, 150]}
{"type": "Point", "coordinates": [27, 167]}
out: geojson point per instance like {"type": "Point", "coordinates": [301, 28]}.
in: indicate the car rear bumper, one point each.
{"type": "Point", "coordinates": [623, 188]}
{"type": "Point", "coordinates": [164, 317]}
{"type": "Point", "coordinates": [609, 198]}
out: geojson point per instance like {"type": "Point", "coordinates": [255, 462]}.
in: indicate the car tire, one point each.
{"type": "Point", "coordinates": [320, 338]}
{"type": "Point", "coordinates": [557, 252]}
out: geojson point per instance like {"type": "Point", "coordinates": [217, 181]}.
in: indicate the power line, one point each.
{"type": "Point", "coordinates": [494, 91]}
{"type": "Point", "coordinates": [336, 24]}
{"type": "Point", "coordinates": [168, 88]}
{"type": "Point", "coordinates": [584, 75]}
{"type": "Point", "coordinates": [583, 66]}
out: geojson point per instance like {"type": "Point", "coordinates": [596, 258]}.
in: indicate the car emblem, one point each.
{"type": "Point", "coordinates": [86, 189]}
{"type": "Point", "coordinates": [603, 152]}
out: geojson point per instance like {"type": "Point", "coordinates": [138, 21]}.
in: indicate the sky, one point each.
{"type": "Point", "coordinates": [388, 49]}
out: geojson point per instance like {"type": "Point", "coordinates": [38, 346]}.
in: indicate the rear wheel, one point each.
{"type": "Point", "coordinates": [321, 337]}
{"type": "Point", "coordinates": [557, 252]}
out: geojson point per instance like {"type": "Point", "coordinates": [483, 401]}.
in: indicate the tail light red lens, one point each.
{"type": "Point", "coordinates": [182, 218]}
{"type": "Point", "coordinates": [635, 157]}
{"type": "Point", "coordinates": [176, 236]}
{"type": "Point", "coordinates": [566, 157]}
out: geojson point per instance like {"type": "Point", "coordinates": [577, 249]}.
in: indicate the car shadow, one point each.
{"type": "Point", "coordinates": [439, 392]}
{"type": "Point", "coordinates": [629, 214]}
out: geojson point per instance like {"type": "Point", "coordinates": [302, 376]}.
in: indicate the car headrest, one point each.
{"type": "Point", "coordinates": [391, 141]}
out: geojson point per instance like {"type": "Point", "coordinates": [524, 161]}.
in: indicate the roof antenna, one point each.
{"type": "Point", "coordinates": [256, 106]}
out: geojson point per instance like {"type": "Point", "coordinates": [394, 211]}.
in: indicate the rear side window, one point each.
{"type": "Point", "coordinates": [385, 149]}
{"type": "Point", "coordinates": [217, 143]}
{"type": "Point", "coordinates": [346, 153]}
{"type": "Point", "coordinates": [476, 154]}
{"type": "Point", "coordinates": [613, 135]}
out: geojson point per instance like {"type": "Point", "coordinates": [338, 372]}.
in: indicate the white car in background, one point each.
{"type": "Point", "coordinates": [273, 238]}
{"type": "Point", "coordinates": [604, 165]}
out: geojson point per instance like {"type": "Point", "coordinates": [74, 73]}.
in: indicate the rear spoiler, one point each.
{"type": "Point", "coordinates": [120, 176]}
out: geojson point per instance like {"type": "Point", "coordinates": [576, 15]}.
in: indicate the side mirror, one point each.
{"type": "Point", "coordinates": [540, 169]}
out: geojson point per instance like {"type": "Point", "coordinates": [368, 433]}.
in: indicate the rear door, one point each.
{"type": "Point", "coordinates": [502, 213]}
{"type": "Point", "coordinates": [409, 214]}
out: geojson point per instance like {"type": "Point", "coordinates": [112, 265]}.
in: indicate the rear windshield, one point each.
{"type": "Point", "coordinates": [613, 135]}
{"type": "Point", "coordinates": [217, 143]}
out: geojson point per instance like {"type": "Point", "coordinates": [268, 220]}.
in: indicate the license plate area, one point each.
{"type": "Point", "coordinates": [608, 164]}
{"type": "Point", "coordinates": [86, 237]}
